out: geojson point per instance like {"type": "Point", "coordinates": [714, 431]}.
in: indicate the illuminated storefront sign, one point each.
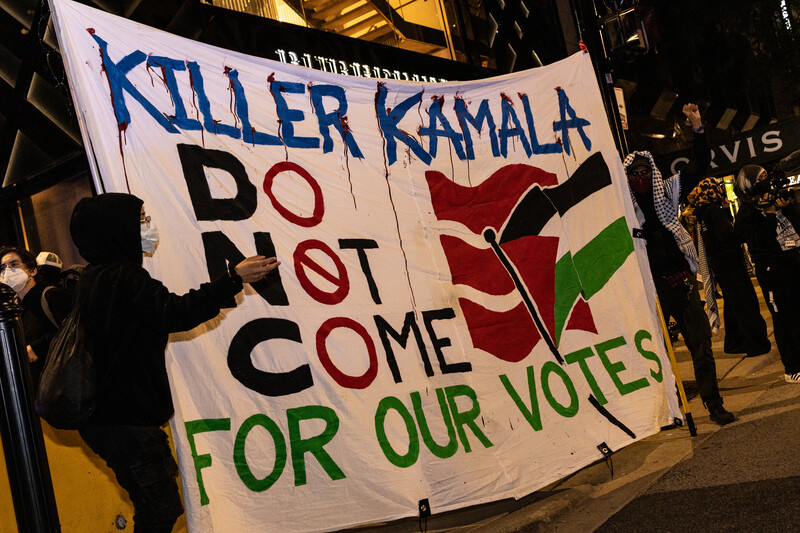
{"type": "Point", "coordinates": [764, 146]}
{"type": "Point", "coordinates": [348, 68]}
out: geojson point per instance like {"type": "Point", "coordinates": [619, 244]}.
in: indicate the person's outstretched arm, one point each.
{"type": "Point", "coordinates": [695, 169]}
{"type": "Point", "coordinates": [171, 312]}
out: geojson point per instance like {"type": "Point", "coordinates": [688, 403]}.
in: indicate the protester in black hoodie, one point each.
{"type": "Point", "coordinates": [129, 316]}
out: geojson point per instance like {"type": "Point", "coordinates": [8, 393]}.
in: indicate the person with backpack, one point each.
{"type": "Point", "coordinates": [44, 306]}
{"type": "Point", "coordinates": [127, 317]}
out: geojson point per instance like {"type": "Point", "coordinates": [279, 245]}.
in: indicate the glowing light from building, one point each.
{"type": "Point", "coordinates": [787, 20]}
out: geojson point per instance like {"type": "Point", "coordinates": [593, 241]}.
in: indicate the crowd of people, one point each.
{"type": "Point", "coordinates": [129, 315]}
{"type": "Point", "coordinates": [767, 224]}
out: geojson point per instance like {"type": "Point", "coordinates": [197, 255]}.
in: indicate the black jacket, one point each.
{"type": "Point", "coordinates": [759, 230]}
{"type": "Point", "coordinates": [719, 237]}
{"type": "Point", "coordinates": [129, 314]}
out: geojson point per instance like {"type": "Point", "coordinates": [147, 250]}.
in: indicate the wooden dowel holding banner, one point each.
{"type": "Point", "coordinates": [687, 413]}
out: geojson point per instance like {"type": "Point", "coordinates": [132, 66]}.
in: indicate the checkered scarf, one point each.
{"type": "Point", "coordinates": [666, 197]}
{"type": "Point", "coordinates": [709, 281]}
{"type": "Point", "coordinates": [787, 235]}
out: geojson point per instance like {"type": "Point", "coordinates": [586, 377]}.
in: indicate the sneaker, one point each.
{"type": "Point", "coordinates": [722, 416]}
{"type": "Point", "coordinates": [792, 378]}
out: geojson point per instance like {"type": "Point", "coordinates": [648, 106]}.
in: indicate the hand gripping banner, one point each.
{"type": "Point", "coordinates": [460, 314]}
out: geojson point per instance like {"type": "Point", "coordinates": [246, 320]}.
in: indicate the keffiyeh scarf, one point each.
{"type": "Point", "coordinates": [666, 197]}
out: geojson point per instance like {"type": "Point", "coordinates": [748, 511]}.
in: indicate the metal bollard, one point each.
{"type": "Point", "coordinates": [23, 443]}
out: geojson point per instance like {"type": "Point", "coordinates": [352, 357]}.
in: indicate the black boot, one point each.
{"type": "Point", "coordinates": [717, 413]}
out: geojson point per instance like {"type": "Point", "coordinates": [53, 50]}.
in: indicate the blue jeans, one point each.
{"type": "Point", "coordinates": [142, 461]}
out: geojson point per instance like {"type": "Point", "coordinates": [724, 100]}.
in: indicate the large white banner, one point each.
{"type": "Point", "coordinates": [459, 316]}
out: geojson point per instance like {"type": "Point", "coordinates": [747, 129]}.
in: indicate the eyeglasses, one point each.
{"type": "Point", "coordinates": [145, 220]}
{"type": "Point", "coordinates": [11, 264]}
{"type": "Point", "coordinates": [640, 173]}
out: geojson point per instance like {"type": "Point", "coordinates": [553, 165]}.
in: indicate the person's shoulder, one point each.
{"type": "Point", "coordinates": [58, 300]}
{"type": "Point", "coordinates": [106, 275]}
{"type": "Point", "coordinates": [33, 296]}
{"type": "Point", "coordinates": [791, 209]}
{"type": "Point", "coordinates": [135, 275]}
{"type": "Point", "coordinates": [115, 269]}
{"type": "Point", "coordinates": [53, 292]}
{"type": "Point", "coordinates": [714, 210]}
{"type": "Point", "coordinates": [35, 291]}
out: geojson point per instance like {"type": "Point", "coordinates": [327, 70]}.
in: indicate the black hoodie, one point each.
{"type": "Point", "coordinates": [129, 315]}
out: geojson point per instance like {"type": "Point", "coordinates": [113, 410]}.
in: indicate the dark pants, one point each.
{"type": "Point", "coordinates": [745, 329]}
{"type": "Point", "coordinates": [781, 288]}
{"type": "Point", "coordinates": [141, 459]}
{"type": "Point", "coordinates": [683, 304]}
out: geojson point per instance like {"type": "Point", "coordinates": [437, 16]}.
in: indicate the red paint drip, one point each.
{"type": "Point", "coordinates": [452, 164]}
{"type": "Point", "coordinates": [345, 125]}
{"type": "Point", "coordinates": [149, 70]}
{"type": "Point", "coordinates": [419, 112]}
{"type": "Point", "coordinates": [194, 103]}
{"type": "Point", "coordinates": [574, 153]}
{"type": "Point", "coordinates": [391, 199]}
{"type": "Point", "coordinates": [121, 126]}
{"type": "Point", "coordinates": [463, 131]}
{"type": "Point", "coordinates": [232, 99]}
{"type": "Point", "coordinates": [271, 80]}
{"type": "Point", "coordinates": [164, 80]}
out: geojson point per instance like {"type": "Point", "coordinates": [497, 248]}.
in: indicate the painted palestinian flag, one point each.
{"type": "Point", "coordinates": [510, 209]}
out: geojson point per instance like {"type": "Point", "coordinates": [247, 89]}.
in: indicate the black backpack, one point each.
{"type": "Point", "coordinates": [67, 387]}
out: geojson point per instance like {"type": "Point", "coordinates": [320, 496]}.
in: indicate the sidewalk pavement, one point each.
{"type": "Point", "coordinates": [739, 477]}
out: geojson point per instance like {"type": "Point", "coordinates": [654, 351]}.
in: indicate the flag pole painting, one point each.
{"type": "Point", "coordinates": [460, 315]}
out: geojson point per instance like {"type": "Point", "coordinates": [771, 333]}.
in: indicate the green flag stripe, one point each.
{"type": "Point", "coordinates": [590, 268]}
{"type": "Point", "coordinates": [568, 288]}
{"type": "Point", "coordinates": [597, 261]}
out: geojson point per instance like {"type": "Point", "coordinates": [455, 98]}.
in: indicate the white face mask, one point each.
{"type": "Point", "coordinates": [149, 237]}
{"type": "Point", "coordinates": [16, 278]}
